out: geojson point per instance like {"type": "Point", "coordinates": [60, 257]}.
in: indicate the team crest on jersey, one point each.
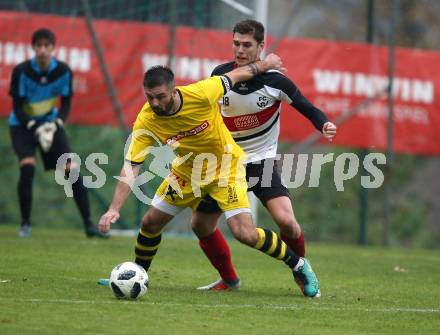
{"type": "Point", "coordinates": [246, 122]}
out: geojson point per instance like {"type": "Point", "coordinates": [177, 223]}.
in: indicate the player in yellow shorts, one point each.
{"type": "Point", "coordinates": [232, 196]}
{"type": "Point", "coordinates": [208, 163]}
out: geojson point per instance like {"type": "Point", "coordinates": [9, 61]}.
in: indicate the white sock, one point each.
{"type": "Point", "coordinates": [299, 264]}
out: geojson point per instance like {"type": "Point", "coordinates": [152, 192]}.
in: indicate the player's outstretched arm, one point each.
{"type": "Point", "coordinates": [123, 188]}
{"type": "Point", "coordinates": [243, 73]}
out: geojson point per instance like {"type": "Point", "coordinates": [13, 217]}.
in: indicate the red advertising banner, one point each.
{"type": "Point", "coordinates": [338, 76]}
{"type": "Point", "coordinates": [335, 76]}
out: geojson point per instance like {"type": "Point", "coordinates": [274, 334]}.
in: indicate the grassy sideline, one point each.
{"type": "Point", "coordinates": [48, 286]}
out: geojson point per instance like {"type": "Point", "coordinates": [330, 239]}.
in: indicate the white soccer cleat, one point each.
{"type": "Point", "coordinates": [220, 285]}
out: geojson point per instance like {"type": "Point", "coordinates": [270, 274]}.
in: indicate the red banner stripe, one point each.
{"type": "Point", "coordinates": [250, 121]}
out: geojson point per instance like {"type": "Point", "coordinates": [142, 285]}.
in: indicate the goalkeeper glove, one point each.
{"type": "Point", "coordinates": [32, 125]}
{"type": "Point", "coordinates": [59, 122]}
{"type": "Point", "coordinates": [45, 134]}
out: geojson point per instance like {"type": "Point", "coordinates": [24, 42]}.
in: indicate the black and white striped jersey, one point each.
{"type": "Point", "coordinates": [251, 110]}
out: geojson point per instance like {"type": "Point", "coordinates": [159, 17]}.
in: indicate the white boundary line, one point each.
{"type": "Point", "coordinates": [243, 306]}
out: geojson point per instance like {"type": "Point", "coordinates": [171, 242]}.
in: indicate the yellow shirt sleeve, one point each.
{"type": "Point", "coordinates": [141, 140]}
{"type": "Point", "coordinates": [213, 88]}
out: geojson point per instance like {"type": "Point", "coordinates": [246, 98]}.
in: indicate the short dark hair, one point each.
{"type": "Point", "coordinates": [158, 75]}
{"type": "Point", "coordinates": [43, 33]}
{"type": "Point", "coordinates": [250, 27]}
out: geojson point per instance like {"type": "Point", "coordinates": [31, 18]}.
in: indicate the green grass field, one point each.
{"type": "Point", "coordinates": [48, 286]}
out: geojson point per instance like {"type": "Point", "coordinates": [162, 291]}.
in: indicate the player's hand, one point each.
{"type": "Point", "coordinates": [329, 130]}
{"type": "Point", "coordinates": [111, 216]}
{"type": "Point", "coordinates": [45, 134]}
{"type": "Point", "coordinates": [273, 62]}
{"type": "Point", "coordinates": [32, 125]}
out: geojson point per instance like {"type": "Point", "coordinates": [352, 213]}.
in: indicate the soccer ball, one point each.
{"type": "Point", "coordinates": [128, 281]}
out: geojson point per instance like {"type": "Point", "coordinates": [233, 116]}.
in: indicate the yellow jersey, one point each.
{"type": "Point", "coordinates": [196, 129]}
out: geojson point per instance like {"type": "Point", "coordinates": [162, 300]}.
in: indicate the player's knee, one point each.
{"type": "Point", "coordinates": [288, 225]}
{"type": "Point", "coordinates": [287, 221]}
{"type": "Point", "coordinates": [244, 233]}
{"type": "Point", "coordinates": [148, 225]}
{"type": "Point", "coordinates": [27, 172]}
{"type": "Point", "coordinates": [195, 223]}
{"type": "Point", "coordinates": [198, 229]}
{"type": "Point", "coordinates": [27, 161]}
{"type": "Point", "coordinates": [151, 224]}
{"type": "Point", "coordinates": [203, 224]}
{"type": "Point", "coordinates": [71, 166]}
